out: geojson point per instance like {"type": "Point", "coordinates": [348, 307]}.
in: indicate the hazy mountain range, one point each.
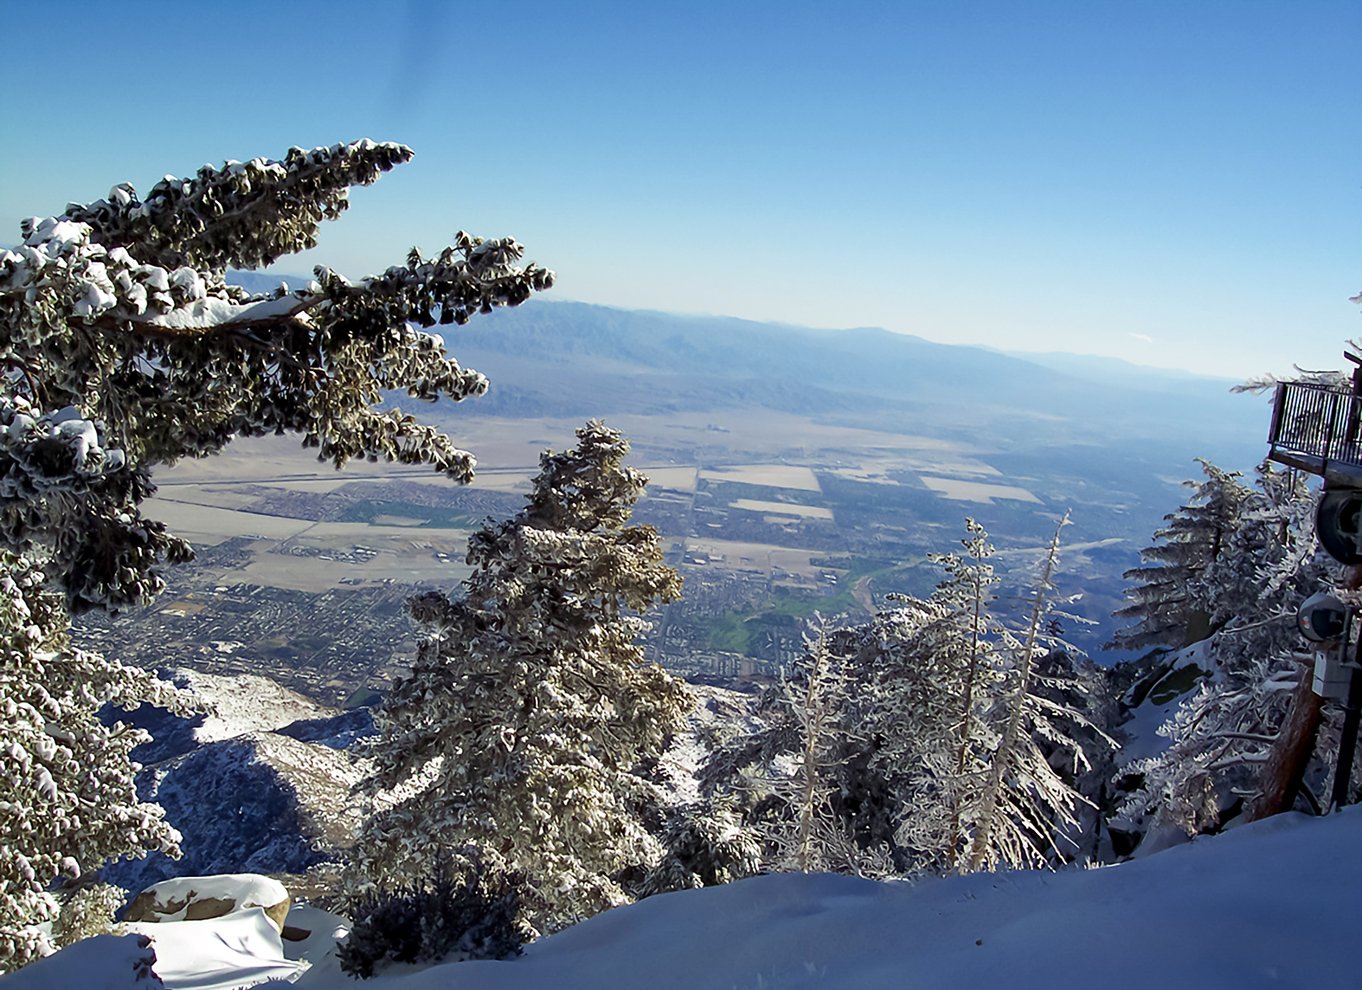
{"type": "Point", "coordinates": [554, 358]}
{"type": "Point", "coordinates": [570, 359]}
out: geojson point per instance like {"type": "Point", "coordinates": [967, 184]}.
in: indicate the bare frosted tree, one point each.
{"type": "Point", "coordinates": [1025, 802]}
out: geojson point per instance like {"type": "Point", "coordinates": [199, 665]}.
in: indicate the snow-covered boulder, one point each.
{"type": "Point", "coordinates": [205, 898]}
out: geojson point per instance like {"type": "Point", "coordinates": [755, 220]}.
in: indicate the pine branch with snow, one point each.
{"type": "Point", "coordinates": [123, 349]}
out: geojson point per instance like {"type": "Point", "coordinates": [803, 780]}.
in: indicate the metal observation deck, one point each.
{"type": "Point", "coordinates": [1318, 429]}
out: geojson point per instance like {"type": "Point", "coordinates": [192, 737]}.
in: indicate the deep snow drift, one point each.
{"type": "Point", "coordinates": [1274, 904]}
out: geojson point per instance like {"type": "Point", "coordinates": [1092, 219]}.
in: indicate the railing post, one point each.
{"type": "Point", "coordinates": [1331, 417]}
{"type": "Point", "coordinates": [1279, 401]}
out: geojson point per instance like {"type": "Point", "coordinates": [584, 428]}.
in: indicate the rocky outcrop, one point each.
{"type": "Point", "coordinates": [258, 803]}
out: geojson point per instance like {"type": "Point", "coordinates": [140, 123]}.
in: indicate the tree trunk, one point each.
{"type": "Point", "coordinates": [1285, 767]}
{"type": "Point", "coordinates": [1284, 770]}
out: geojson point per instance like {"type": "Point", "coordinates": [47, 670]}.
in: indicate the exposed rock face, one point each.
{"type": "Point", "coordinates": [244, 795]}
{"type": "Point", "coordinates": [259, 803]}
{"type": "Point", "coordinates": [202, 898]}
{"type": "Point", "coordinates": [336, 731]}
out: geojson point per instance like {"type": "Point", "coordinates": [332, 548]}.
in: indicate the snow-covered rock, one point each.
{"type": "Point", "coordinates": [204, 898]}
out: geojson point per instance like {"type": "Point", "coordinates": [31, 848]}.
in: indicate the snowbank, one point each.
{"type": "Point", "coordinates": [239, 950]}
{"type": "Point", "coordinates": [1270, 904]}
{"type": "Point", "coordinates": [105, 962]}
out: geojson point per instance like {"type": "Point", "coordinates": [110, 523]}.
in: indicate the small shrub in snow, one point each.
{"type": "Point", "coordinates": [473, 913]}
{"type": "Point", "coordinates": [87, 911]}
{"type": "Point", "coordinates": [707, 843]}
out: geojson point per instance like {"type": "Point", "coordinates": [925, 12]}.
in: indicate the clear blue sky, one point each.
{"type": "Point", "coordinates": [1174, 183]}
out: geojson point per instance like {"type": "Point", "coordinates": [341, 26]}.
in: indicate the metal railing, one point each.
{"type": "Point", "coordinates": [1317, 427]}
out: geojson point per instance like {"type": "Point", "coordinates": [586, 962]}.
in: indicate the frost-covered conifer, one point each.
{"type": "Point", "coordinates": [67, 798]}
{"type": "Point", "coordinates": [936, 731]}
{"type": "Point", "coordinates": [706, 843]}
{"type": "Point", "coordinates": [809, 778]}
{"type": "Point", "coordinates": [122, 348]}
{"type": "Point", "coordinates": [1221, 736]}
{"type": "Point", "coordinates": [939, 677]}
{"type": "Point", "coordinates": [530, 706]}
{"type": "Point", "coordinates": [1163, 596]}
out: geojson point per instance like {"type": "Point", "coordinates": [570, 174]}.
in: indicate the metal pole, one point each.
{"type": "Point", "coordinates": [1347, 744]}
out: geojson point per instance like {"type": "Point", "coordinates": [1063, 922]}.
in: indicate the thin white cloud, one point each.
{"type": "Point", "coordinates": [1143, 338]}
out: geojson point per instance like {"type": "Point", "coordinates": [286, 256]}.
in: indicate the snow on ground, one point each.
{"type": "Point", "coordinates": [1274, 904]}
{"type": "Point", "coordinates": [245, 703]}
{"type": "Point", "coordinates": [238, 950]}
{"type": "Point", "coordinates": [105, 962]}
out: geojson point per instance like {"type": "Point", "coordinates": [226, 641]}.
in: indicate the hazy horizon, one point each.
{"type": "Point", "coordinates": [1174, 185]}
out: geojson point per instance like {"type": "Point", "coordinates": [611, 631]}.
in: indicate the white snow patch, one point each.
{"type": "Point", "coordinates": [207, 313]}
{"type": "Point", "coordinates": [239, 950]}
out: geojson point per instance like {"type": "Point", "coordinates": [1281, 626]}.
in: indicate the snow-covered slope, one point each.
{"type": "Point", "coordinates": [1273, 904]}
{"type": "Point", "coordinates": [256, 803]}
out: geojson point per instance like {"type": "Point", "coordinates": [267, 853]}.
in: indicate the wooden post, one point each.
{"type": "Point", "coordinates": [1282, 775]}
{"type": "Point", "coordinates": [1284, 771]}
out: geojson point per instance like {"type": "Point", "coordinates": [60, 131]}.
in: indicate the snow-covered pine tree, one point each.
{"type": "Point", "coordinates": [1163, 609]}
{"type": "Point", "coordinates": [67, 797]}
{"type": "Point", "coordinates": [810, 780]}
{"type": "Point", "coordinates": [1025, 804]}
{"type": "Point", "coordinates": [958, 696]}
{"type": "Point", "coordinates": [530, 706]}
{"type": "Point", "coordinates": [939, 687]}
{"type": "Point", "coordinates": [1222, 735]}
{"type": "Point", "coordinates": [821, 804]}
{"type": "Point", "coordinates": [912, 711]}
{"type": "Point", "coordinates": [122, 348]}
{"type": "Point", "coordinates": [706, 843]}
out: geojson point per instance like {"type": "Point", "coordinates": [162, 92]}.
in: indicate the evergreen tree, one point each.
{"type": "Point", "coordinates": [921, 741]}
{"type": "Point", "coordinates": [1163, 607]}
{"type": "Point", "coordinates": [529, 706]}
{"type": "Point", "coordinates": [1221, 736]}
{"type": "Point", "coordinates": [122, 348]}
{"type": "Point", "coordinates": [707, 843]}
{"type": "Point", "coordinates": [943, 680]}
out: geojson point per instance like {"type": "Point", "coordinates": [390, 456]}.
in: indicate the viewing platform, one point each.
{"type": "Point", "coordinates": [1316, 428]}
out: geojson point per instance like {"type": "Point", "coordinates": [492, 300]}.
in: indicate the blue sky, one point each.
{"type": "Point", "coordinates": [1177, 184]}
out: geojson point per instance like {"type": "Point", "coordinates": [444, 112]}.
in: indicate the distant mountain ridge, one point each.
{"type": "Point", "coordinates": [570, 359]}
